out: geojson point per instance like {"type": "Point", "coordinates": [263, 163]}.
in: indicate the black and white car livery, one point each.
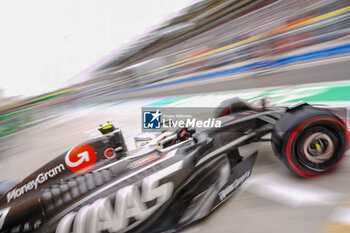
{"type": "Point", "coordinates": [169, 183]}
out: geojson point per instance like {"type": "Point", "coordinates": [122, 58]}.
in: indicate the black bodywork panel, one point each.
{"type": "Point", "coordinates": [149, 189]}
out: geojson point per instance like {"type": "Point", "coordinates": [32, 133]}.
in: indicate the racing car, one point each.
{"type": "Point", "coordinates": [173, 180]}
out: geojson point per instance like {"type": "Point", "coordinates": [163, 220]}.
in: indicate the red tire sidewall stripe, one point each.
{"type": "Point", "coordinates": [226, 111]}
{"type": "Point", "coordinates": [294, 134]}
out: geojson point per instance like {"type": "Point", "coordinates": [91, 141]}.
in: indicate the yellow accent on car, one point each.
{"type": "Point", "coordinates": [318, 147]}
{"type": "Point", "coordinates": [107, 126]}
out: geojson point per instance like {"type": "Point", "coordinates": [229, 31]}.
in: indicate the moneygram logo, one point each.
{"type": "Point", "coordinates": [232, 187]}
{"type": "Point", "coordinates": [33, 184]}
{"type": "Point", "coordinates": [80, 158]}
{"type": "Point", "coordinates": [152, 119]}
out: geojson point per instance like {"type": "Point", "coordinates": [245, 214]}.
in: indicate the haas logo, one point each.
{"type": "Point", "coordinates": [80, 158]}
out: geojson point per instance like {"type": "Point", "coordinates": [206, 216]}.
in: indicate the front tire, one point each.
{"type": "Point", "coordinates": [310, 141]}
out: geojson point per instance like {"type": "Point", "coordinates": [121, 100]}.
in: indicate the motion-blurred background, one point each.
{"type": "Point", "coordinates": [199, 55]}
{"type": "Point", "coordinates": [234, 37]}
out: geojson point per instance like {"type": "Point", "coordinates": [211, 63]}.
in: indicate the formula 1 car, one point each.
{"type": "Point", "coordinates": [174, 180]}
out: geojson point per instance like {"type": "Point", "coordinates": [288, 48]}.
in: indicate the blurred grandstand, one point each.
{"type": "Point", "coordinates": [207, 35]}
{"type": "Point", "coordinates": [210, 34]}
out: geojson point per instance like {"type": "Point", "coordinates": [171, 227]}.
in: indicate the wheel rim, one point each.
{"type": "Point", "coordinates": [318, 148]}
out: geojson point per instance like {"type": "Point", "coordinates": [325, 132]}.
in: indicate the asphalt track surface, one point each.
{"type": "Point", "coordinates": [272, 200]}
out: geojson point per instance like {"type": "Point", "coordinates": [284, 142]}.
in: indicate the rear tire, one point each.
{"type": "Point", "coordinates": [309, 141]}
{"type": "Point", "coordinates": [231, 106]}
